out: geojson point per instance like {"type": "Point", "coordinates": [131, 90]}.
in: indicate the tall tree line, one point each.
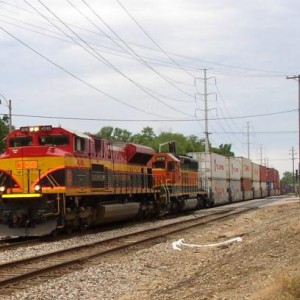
{"type": "Point", "coordinates": [147, 137]}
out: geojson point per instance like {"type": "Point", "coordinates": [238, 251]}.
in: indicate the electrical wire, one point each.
{"type": "Point", "coordinates": [150, 37]}
{"type": "Point", "coordinates": [131, 51]}
{"type": "Point", "coordinates": [147, 120]}
{"type": "Point", "coordinates": [78, 78]}
{"type": "Point", "coordinates": [98, 56]}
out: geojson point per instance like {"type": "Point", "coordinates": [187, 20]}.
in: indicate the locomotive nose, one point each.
{"type": "Point", "coordinates": [18, 219]}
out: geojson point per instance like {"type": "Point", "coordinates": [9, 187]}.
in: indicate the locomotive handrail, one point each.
{"type": "Point", "coordinates": [52, 180]}
{"type": "Point", "coordinates": [167, 191]}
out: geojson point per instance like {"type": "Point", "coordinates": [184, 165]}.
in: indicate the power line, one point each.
{"type": "Point", "coordinates": [131, 51]}
{"type": "Point", "coordinates": [78, 78]}
{"type": "Point", "coordinates": [261, 132]}
{"type": "Point", "coordinates": [144, 120]}
{"type": "Point", "coordinates": [99, 56]}
{"type": "Point", "coordinates": [153, 41]}
{"type": "Point", "coordinates": [192, 59]}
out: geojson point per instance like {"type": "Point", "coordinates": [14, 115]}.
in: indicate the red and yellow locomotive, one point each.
{"type": "Point", "coordinates": [52, 178]}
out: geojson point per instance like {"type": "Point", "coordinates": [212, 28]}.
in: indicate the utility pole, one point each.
{"type": "Point", "coordinates": [248, 139]}
{"type": "Point", "coordinates": [206, 133]}
{"type": "Point", "coordinates": [206, 113]}
{"type": "Point", "coordinates": [261, 159]}
{"type": "Point", "coordinates": [9, 111]}
{"type": "Point", "coordinates": [205, 182]}
{"type": "Point", "coordinates": [297, 77]}
{"type": "Point", "coordinates": [293, 164]}
{"type": "Point", "coordinates": [10, 120]}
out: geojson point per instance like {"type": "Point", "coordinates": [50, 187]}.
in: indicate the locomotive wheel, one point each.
{"type": "Point", "coordinates": [83, 227]}
{"type": "Point", "coordinates": [54, 233]}
{"type": "Point", "coordinates": [70, 229]}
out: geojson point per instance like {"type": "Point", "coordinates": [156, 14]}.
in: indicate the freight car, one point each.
{"type": "Point", "coordinates": [55, 179]}
{"type": "Point", "coordinates": [233, 179]}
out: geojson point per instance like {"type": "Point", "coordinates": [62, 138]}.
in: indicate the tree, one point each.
{"type": "Point", "coordinates": [287, 178]}
{"type": "Point", "coordinates": [224, 149]}
{"type": "Point", "coordinates": [166, 137]}
{"type": "Point", "coordinates": [121, 135]}
{"type": "Point", "coordinates": [106, 132]}
{"type": "Point", "coordinates": [194, 144]}
{"type": "Point", "coordinates": [115, 134]}
{"type": "Point", "coordinates": [4, 130]}
{"type": "Point", "coordinates": [146, 137]}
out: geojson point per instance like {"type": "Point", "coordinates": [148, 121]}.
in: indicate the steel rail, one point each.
{"type": "Point", "coordinates": [15, 272]}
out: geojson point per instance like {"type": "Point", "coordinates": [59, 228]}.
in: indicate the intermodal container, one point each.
{"type": "Point", "coordinates": [246, 186]}
{"type": "Point", "coordinates": [234, 168]}
{"type": "Point", "coordinates": [263, 173]}
{"type": "Point", "coordinates": [273, 181]}
{"type": "Point", "coordinates": [271, 175]}
{"type": "Point", "coordinates": [246, 168]}
{"type": "Point", "coordinates": [235, 190]}
{"type": "Point", "coordinates": [264, 189]}
{"type": "Point", "coordinates": [255, 172]}
{"type": "Point", "coordinates": [211, 165]}
{"type": "Point", "coordinates": [219, 190]}
{"type": "Point", "coordinates": [256, 189]}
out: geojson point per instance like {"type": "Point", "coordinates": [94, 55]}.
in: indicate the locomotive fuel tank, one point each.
{"type": "Point", "coordinates": [116, 212]}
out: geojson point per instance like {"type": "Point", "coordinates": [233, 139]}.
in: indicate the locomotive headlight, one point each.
{"type": "Point", "coordinates": [34, 129]}
{"type": "Point", "coordinates": [2, 189]}
{"type": "Point", "coordinates": [38, 188]}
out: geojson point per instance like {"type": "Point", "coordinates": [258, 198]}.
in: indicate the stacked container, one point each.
{"type": "Point", "coordinates": [276, 182]}
{"type": "Point", "coordinates": [212, 168]}
{"type": "Point", "coordinates": [263, 181]}
{"type": "Point", "coordinates": [270, 181]}
{"type": "Point", "coordinates": [234, 179]}
{"type": "Point", "coordinates": [256, 180]}
{"type": "Point", "coordinates": [273, 181]}
{"type": "Point", "coordinates": [246, 178]}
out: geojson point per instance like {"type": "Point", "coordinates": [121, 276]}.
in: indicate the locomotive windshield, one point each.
{"type": "Point", "coordinates": [20, 141]}
{"type": "Point", "coordinates": [158, 165]}
{"type": "Point", "coordinates": [54, 140]}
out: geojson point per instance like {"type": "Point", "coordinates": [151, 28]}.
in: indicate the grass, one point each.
{"type": "Point", "coordinates": [283, 288]}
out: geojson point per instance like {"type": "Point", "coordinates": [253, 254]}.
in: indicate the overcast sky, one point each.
{"type": "Point", "coordinates": [86, 64]}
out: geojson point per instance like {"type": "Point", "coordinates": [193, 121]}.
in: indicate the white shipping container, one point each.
{"type": "Point", "coordinates": [246, 168]}
{"type": "Point", "coordinates": [218, 191]}
{"type": "Point", "coordinates": [257, 189]}
{"type": "Point", "coordinates": [255, 172]}
{"type": "Point", "coordinates": [248, 195]}
{"type": "Point", "coordinates": [211, 165]}
{"type": "Point", "coordinates": [234, 168]}
{"type": "Point", "coordinates": [264, 190]}
{"type": "Point", "coordinates": [236, 193]}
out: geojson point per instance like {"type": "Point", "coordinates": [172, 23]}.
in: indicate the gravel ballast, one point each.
{"type": "Point", "coordinates": [237, 270]}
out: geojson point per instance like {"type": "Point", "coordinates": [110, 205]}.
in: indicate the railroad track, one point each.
{"type": "Point", "coordinates": [11, 244]}
{"type": "Point", "coordinates": [39, 268]}
{"type": "Point", "coordinates": [7, 243]}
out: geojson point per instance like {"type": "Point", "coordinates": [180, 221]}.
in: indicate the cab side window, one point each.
{"type": "Point", "coordinates": [20, 141]}
{"type": "Point", "coordinates": [171, 166]}
{"type": "Point", "coordinates": [79, 144]}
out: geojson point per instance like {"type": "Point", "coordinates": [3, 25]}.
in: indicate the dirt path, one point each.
{"type": "Point", "coordinates": [252, 268]}
{"type": "Point", "coordinates": [269, 250]}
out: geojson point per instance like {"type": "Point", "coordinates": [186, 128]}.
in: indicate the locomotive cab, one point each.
{"type": "Point", "coordinates": [33, 177]}
{"type": "Point", "coordinates": [166, 169]}
{"type": "Point", "coordinates": [52, 179]}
